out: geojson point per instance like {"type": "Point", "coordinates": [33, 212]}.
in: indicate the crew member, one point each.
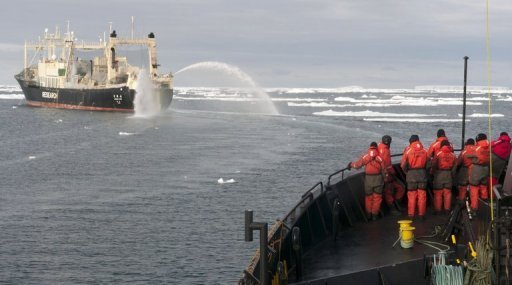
{"type": "Point", "coordinates": [414, 164]}
{"type": "Point", "coordinates": [463, 164]}
{"type": "Point", "coordinates": [443, 167]}
{"type": "Point", "coordinates": [479, 171]}
{"type": "Point", "coordinates": [500, 151]}
{"type": "Point", "coordinates": [393, 189]}
{"type": "Point", "coordinates": [436, 145]}
{"type": "Point", "coordinates": [373, 180]}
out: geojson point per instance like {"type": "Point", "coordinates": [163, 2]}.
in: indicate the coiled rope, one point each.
{"type": "Point", "coordinates": [443, 274]}
{"type": "Point", "coordinates": [480, 270]}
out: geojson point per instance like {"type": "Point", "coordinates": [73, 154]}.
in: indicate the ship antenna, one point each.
{"type": "Point", "coordinates": [464, 100]}
{"type": "Point", "coordinates": [69, 35]}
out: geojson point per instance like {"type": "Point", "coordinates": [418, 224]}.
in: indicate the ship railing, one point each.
{"type": "Point", "coordinates": [306, 198]}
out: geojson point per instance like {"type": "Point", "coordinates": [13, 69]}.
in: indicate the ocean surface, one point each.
{"type": "Point", "coordinates": [110, 198]}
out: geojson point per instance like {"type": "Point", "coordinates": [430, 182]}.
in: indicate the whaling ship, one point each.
{"type": "Point", "coordinates": [106, 82]}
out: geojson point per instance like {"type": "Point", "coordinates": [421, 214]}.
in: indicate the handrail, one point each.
{"type": "Point", "coordinates": [305, 196]}
{"type": "Point", "coordinates": [307, 193]}
{"type": "Point", "coordinates": [342, 176]}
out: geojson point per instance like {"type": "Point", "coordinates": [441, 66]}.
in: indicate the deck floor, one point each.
{"type": "Point", "coordinates": [366, 246]}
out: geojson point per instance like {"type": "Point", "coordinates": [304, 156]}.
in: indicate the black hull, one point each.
{"type": "Point", "coordinates": [120, 99]}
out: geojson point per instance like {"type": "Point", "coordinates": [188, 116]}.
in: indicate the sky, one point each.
{"type": "Point", "coordinates": [300, 43]}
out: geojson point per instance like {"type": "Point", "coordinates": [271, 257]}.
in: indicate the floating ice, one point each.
{"type": "Point", "coordinates": [126, 134]}
{"type": "Point", "coordinates": [369, 113]}
{"type": "Point", "coordinates": [31, 157]}
{"type": "Point", "coordinates": [477, 115]}
{"type": "Point", "coordinates": [315, 104]}
{"type": "Point", "coordinates": [412, 120]}
{"type": "Point", "coordinates": [222, 181]}
{"type": "Point", "coordinates": [12, 96]}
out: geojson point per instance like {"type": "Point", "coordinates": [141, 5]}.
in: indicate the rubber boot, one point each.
{"type": "Point", "coordinates": [447, 199]}
{"type": "Point", "coordinates": [438, 201]}
{"type": "Point", "coordinates": [473, 195]}
{"type": "Point", "coordinates": [422, 203]}
{"type": "Point", "coordinates": [412, 195]}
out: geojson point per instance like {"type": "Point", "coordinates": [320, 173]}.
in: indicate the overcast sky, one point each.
{"type": "Point", "coordinates": [370, 43]}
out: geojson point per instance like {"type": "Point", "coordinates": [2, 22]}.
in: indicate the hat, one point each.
{"type": "Point", "coordinates": [440, 133]}
{"type": "Point", "coordinates": [373, 144]}
{"type": "Point", "coordinates": [480, 137]}
{"type": "Point", "coordinates": [414, 138]}
{"type": "Point", "coordinates": [386, 139]}
{"type": "Point", "coordinates": [470, 142]}
{"type": "Point", "coordinates": [445, 142]}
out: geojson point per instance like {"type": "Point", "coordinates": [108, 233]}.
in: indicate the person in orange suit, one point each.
{"type": "Point", "coordinates": [414, 164]}
{"type": "Point", "coordinates": [444, 166]}
{"type": "Point", "coordinates": [394, 190]}
{"type": "Point", "coordinates": [436, 145]}
{"type": "Point", "coordinates": [479, 171]}
{"type": "Point", "coordinates": [463, 164]}
{"type": "Point", "coordinates": [500, 153]}
{"type": "Point", "coordinates": [373, 180]}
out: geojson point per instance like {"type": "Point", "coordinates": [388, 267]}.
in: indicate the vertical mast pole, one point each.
{"type": "Point", "coordinates": [132, 26]}
{"type": "Point", "coordinates": [464, 100]}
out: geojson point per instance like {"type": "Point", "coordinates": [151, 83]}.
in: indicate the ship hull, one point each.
{"type": "Point", "coordinates": [118, 99]}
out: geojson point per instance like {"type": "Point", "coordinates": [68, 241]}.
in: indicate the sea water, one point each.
{"type": "Point", "coordinates": [95, 197]}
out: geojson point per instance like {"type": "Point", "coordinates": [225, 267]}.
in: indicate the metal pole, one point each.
{"type": "Point", "coordinates": [464, 100]}
{"type": "Point", "coordinates": [263, 254]}
{"type": "Point", "coordinates": [263, 228]}
{"type": "Point", "coordinates": [248, 222]}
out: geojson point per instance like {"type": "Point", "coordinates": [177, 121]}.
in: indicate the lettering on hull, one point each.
{"type": "Point", "coordinates": [49, 95]}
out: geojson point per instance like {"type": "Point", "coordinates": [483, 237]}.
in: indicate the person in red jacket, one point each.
{"type": "Point", "coordinates": [500, 154]}
{"type": "Point", "coordinates": [479, 171]}
{"type": "Point", "coordinates": [394, 190]}
{"type": "Point", "coordinates": [436, 145]}
{"type": "Point", "coordinates": [414, 165]}
{"type": "Point", "coordinates": [463, 164]}
{"type": "Point", "coordinates": [373, 180]}
{"type": "Point", "coordinates": [443, 166]}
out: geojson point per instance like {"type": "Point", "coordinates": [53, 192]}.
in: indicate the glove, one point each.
{"type": "Point", "coordinates": [349, 166]}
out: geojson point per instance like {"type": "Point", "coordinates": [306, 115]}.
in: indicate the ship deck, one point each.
{"type": "Point", "coordinates": [367, 246]}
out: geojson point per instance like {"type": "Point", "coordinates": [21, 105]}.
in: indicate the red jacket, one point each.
{"type": "Point", "coordinates": [482, 154]}
{"type": "Point", "coordinates": [372, 161]}
{"type": "Point", "coordinates": [501, 147]}
{"type": "Point", "coordinates": [436, 146]}
{"type": "Point", "coordinates": [444, 159]}
{"type": "Point", "coordinates": [385, 154]}
{"type": "Point", "coordinates": [414, 157]}
{"type": "Point", "coordinates": [465, 155]}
